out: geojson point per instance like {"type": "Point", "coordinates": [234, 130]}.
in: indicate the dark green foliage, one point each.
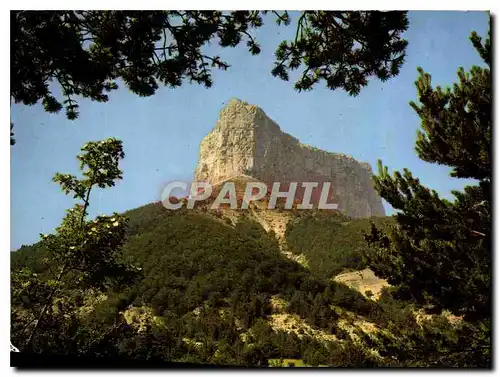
{"type": "Point", "coordinates": [191, 261]}
{"type": "Point", "coordinates": [439, 252]}
{"type": "Point", "coordinates": [80, 257]}
{"type": "Point", "coordinates": [434, 342]}
{"type": "Point", "coordinates": [190, 258]}
{"type": "Point", "coordinates": [146, 218]}
{"type": "Point", "coordinates": [210, 283]}
{"type": "Point", "coordinates": [350, 355]}
{"type": "Point", "coordinates": [331, 243]}
{"type": "Point", "coordinates": [86, 52]}
{"type": "Point", "coordinates": [343, 49]}
{"type": "Point", "coordinates": [457, 122]}
{"type": "Point", "coordinates": [12, 140]}
{"type": "Point", "coordinates": [32, 256]}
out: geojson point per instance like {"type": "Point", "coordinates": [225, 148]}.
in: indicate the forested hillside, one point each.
{"type": "Point", "coordinates": [331, 242]}
{"type": "Point", "coordinates": [210, 292]}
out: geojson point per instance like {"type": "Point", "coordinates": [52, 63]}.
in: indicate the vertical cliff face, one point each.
{"type": "Point", "coordinates": [245, 141]}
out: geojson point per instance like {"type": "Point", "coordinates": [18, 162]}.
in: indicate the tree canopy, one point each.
{"type": "Point", "coordinates": [81, 256]}
{"type": "Point", "coordinates": [86, 52]}
{"type": "Point", "coordinates": [439, 252]}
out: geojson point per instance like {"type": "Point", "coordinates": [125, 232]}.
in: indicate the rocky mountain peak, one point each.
{"type": "Point", "coordinates": [245, 141]}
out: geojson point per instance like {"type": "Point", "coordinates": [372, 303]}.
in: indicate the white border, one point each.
{"type": "Point", "coordinates": [185, 4]}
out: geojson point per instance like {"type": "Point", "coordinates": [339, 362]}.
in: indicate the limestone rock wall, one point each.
{"type": "Point", "coordinates": [245, 141]}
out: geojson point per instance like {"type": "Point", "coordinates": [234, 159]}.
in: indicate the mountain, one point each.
{"type": "Point", "coordinates": [254, 287]}
{"type": "Point", "coordinates": [216, 287]}
{"type": "Point", "coordinates": [245, 141]}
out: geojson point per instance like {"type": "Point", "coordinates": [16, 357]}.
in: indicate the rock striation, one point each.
{"type": "Point", "coordinates": [245, 141]}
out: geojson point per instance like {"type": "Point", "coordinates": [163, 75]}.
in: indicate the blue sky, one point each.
{"type": "Point", "coordinates": [161, 134]}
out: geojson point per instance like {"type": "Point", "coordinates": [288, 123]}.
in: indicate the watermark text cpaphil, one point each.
{"type": "Point", "coordinates": [200, 191]}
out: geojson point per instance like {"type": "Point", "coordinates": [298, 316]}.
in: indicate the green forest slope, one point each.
{"type": "Point", "coordinates": [207, 292]}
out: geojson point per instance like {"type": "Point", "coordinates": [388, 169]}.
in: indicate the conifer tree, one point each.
{"type": "Point", "coordinates": [438, 253]}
